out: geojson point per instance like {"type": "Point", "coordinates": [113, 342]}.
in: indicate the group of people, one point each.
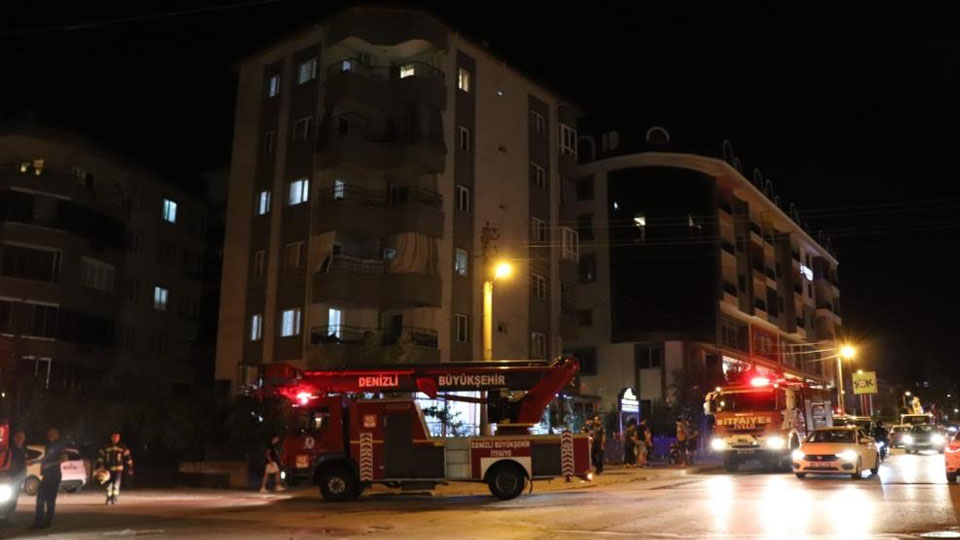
{"type": "Point", "coordinates": [688, 441]}
{"type": "Point", "coordinates": [113, 461]}
{"type": "Point", "coordinates": [637, 444]}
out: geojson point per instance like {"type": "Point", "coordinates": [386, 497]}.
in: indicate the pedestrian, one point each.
{"type": "Point", "coordinates": [599, 444]}
{"type": "Point", "coordinates": [693, 441]}
{"type": "Point", "coordinates": [630, 444]}
{"type": "Point", "coordinates": [53, 456]}
{"type": "Point", "coordinates": [643, 444]}
{"type": "Point", "coordinates": [17, 473]}
{"type": "Point", "coordinates": [273, 454]}
{"type": "Point", "coordinates": [681, 441]}
{"type": "Point", "coordinates": [648, 442]}
{"type": "Point", "coordinates": [115, 458]}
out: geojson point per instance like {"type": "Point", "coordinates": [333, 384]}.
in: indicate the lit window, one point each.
{"type": "Point", "coordinates": [463, 138]}
{"type": "Point", "coordinates": [293, 255]}
{"type": "Point", "coordinates": [339, 190]}
{"type": "Point", "coordinates": [407, 70]}
{"type": "Point", "coordinates": [256, 327]}
{"type": "Point", "coordinates": [299, 191]}
{"type": "Point", "coordinates": [334, 322]}
{"type": "Point", "coordinates": [568, 140]}
{"type": "Point", "coordinates": [346, 65]}
{"type": "Point", "coordinates": [539, 175]}
{"type": "Point", "coordinates": [263, 202]}
{"type": "Point", "coordinates": [273, 86]}
{"type": "Point", "coordinates": [539, 122]}
{"type": "Point", "coordinates": [301, 129]}
{"type": "Point", "coordinates": [463, 199]}
{"type": "Point", "coordinates": [96, 274]}
{"type": "Point", "coordinates": [290, 323]}
{"type": "Point", "coordinates": [462, 327]}
{"type": "Point", "coordinates": [268, 138]}
{"type": "Point", "coordinates": [461, 262]}
{"type": "Point", "coordinates": [258, 262]}
{"type": "Point", "coordinates": [160, 298]}
{"type": "Point", "coordinates": [463, 80]}
{"type": "Point", "coordinates": [538, 345]}
{"type": "Point", "coordinates": [169, 211]}
{"type": "Point", "coordinates": [539, 285]}
{"type": "Point", "coordinates": [307, 71]}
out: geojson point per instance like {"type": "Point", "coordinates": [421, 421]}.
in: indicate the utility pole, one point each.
{"type": "Point", "coordinates": [488, 235]}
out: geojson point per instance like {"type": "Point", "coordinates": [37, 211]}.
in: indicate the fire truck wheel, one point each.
{"type": "Point", "coordinates": [31, 486]}
{"type": "Point", "coordinates": [506, 481]}
{"type": "Point", "coordinates": [731, 463]}
{"type": "Point", "coordinates": [338, 484]}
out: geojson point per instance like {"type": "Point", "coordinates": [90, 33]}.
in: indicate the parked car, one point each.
{"type": "Point", "coordinates": [837, 450]}
{"type": "Point", "coordinates": [952, 458]}
{"type": "Point", "coordinates": [896, 435]}
{"type": "Point", "coordinates": [74, 470]}
{"type": "Point", "coordinates": [924, 437]}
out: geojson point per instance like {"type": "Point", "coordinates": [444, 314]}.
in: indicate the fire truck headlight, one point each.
{"type": "Point", "coordinates": [797, 455]}
{"type": "Point", "coordinates": [283, 475]}
{"type": "Point", "coordinates": [774, 442]}
{"type": "Point", "coordinates": [5, 492]}
{"type": "Point", "coordinates": [937, 439]}
{"type": "Point", "coordinates": [718, 444]}
{"type": "Point", "coordinates": [847, 455]}
{"type": "Point", "coordinates": [908, 439]}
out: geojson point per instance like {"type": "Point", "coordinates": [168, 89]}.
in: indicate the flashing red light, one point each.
{"type": "Point", "coordinates": [304, 397]}
{"type": "Point", "coordinates": [759, 381]}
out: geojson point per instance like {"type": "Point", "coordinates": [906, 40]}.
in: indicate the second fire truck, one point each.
{"type": "Point", "coordinates": [764, 419]}
{"type": "Point", "coordinates": [348, 442]}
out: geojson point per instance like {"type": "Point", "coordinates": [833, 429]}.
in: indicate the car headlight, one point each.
{"type": "Point", "coordinates": [718, 444]}
{"type": "Point", "coordinates": [6, 492]}
{"type": "Point", "coordinates": [907, 439]}
{"type": "Point", "coordinates": [283, 475]}
{"type": "Point", "coordinates": [797, 455]}
{"type": "Point", "coordinates": [774, 442]}
{"type": "Point", "coordinates": [847, 455]}
{"type": "Point", "coordinates": [937, 438]}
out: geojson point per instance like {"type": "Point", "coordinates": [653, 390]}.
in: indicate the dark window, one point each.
{"type": "Point", "coordinates": [585, 226]}
{"type": "Point", "coordinates": [166, 253]}
{"type": "Point", "coordinates": [585, 189]}
{"type": "Point", "coordinates": [588, 268]}
{"type": "Point", "coordinates": [585, 317]}
{"type": "Point", "coordinates": [772, 302]}
{"type": "Point", "coordinates": [587, 358]}
{"type": "Point", "coordinates": [30, 263]}
{"type": "Point", "coordinates": [648, 357]}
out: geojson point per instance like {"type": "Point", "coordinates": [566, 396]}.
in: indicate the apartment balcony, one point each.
{"type": "Point", "coordinates": [728, 247]}
{"type": "Point", "coordinates": [335, 346]}
{"type": "Point", "coordinates": [370, 282]}
{"type": "Point", "coordinates": [387, 27]}
{"type": "Point", "coordinates": [826, 309]}
{"type": "Point", "coordinates": [386, 86]}
{"type": "Point", "coordinates": [770, 273]}
{"type": "Point", "coordinates": [387, 143]}
{"type": "Point", "coordinates": [366, 212]}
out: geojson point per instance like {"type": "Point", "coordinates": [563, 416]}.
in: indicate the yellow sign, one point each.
{"type": "Point", "coordinates": [865, 382]}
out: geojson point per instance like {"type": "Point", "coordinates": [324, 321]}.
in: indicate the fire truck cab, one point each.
{"type": "Point", "coordinates": [764, 419]}
{"type": "Point", "coordinates": [347, 443]}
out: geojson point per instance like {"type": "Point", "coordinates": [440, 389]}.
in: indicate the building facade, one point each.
{"type": "Point", "coordinates": [381, 163]}
{"type": "Point", "coordinates": [689, 272]}
{"type": "Point", "coordinates": [100, 267]}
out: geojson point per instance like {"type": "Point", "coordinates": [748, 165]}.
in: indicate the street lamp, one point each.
{"type": "Point", "coordinates": [500, 270]}
{"type": "Point", "coordinates": [905, 396]}
{"type": "Point", "coordinates": [848, 352]}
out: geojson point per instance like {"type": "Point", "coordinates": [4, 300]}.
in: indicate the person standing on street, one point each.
{"type": "Point", "coordinates": [643, 443]}
{"type": "Point", "coordinates": [599, 444]}
{"type": "Point", "coordinates": [681, 441]}
{"type": "Point", "coordinates": [115, 458]}
{"type": "Point", "coordinates": [16, 473]}
{"type": "Point", "coordinates": [630, 444]}
{"type": "Point", "coordinates": [53, 456]}
{"type": "Point", "coordinates": [273, 454]}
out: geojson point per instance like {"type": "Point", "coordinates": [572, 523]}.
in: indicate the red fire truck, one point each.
{"type": "Point", "coordinates": [348, 442]}
{"type": "Point", "coordinates": [764, 419]}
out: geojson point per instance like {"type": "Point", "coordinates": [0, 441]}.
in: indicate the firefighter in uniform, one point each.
{"type": "Point", "coordinates": [115, 458]}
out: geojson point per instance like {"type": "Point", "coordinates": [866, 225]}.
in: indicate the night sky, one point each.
{"type": "Point", "coordinates": [853, 115]}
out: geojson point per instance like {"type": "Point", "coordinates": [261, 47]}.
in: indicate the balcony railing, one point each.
{"type": "Point", "coordinates": [756, 228]}
{"type": "Point", "coordinates": [729, 288]}
{"type": "Point", "coordinates": [392, 197]}
{"type": "Point", "coordinates": [358, 335]}
{"type": "Point", "coordinates": [825, 305]}
{"type": "Point", "coordinates": [382, 130]}
{"type": "Point", "coordinates": [401, 70]}
{"type": "Point", "coordinates": [725, 206]}
{"type": "Point", "coordinates": [358, 265]}
{"type": "Point", "coordinates": [770, 273]}
{"type": "Point", "coordinates": [760, 304]}
{"type": "Point", "coordinates": [728, 247]}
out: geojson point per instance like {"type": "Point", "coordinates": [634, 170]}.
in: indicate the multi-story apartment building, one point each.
{"type": "Point", "coordinates": [100, 266]}
{"type": "Point", "coordinates": [381, 163]}
{"type": "Point", "coordinates": [686, 266]}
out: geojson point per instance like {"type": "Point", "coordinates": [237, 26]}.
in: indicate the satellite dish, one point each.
{"type": "Point", "coordinates": [657, 135]}
{"type": "Point", "coordinates": [768, 189]}
{"type": "Point", "coordinates": [757, 178]}
{"type": "Point", "coordinates": [737, 165]}
{"type": "Point", "coordinates": [728, 155]}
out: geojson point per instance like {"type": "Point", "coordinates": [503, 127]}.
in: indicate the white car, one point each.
{"type": "Point", "coordinates": [837, 450]}
{"type": "Point", "coordinates": [73, 470]}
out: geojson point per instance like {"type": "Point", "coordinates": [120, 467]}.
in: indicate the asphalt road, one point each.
{"type": "Point", "coordinates": [908, 499]}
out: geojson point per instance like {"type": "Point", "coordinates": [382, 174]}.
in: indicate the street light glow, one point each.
{"type": "Point", "coordinates": [907, 393]}
{"type": "Point", "coordinates": [502, 270]}
{"type": "Point", "coordinates": [848, 352]}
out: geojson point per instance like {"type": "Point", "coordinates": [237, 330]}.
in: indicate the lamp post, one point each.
{"type": "Point", "coordinates": [905, 396]}
{"type": "Point", "coordinates": [848, 352]}
{"type": "Point", "coordinates": [500, 270]}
